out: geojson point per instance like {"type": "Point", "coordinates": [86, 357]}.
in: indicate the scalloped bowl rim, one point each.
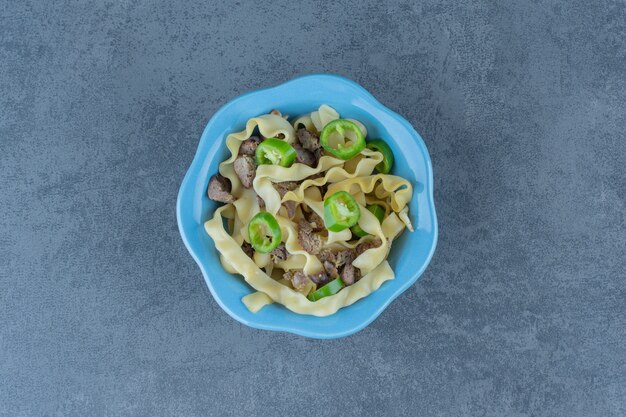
{"type": "Point", "coordinates": [189, 189]}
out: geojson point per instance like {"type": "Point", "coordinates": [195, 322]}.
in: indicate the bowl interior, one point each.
{"type": "Point", "coordinates": [410, 253]}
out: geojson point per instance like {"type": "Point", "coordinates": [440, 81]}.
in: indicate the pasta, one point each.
{"type": "Point", "coordinates": [310, 211]}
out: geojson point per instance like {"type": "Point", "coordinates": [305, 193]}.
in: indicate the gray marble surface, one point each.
{"type": "Point", "coordinates": [521, 312]}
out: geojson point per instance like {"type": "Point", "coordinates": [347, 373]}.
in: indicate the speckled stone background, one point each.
{"type": "Point", "coordinates": [522, 311]}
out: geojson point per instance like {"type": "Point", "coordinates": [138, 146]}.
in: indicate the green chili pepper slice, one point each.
{"type": "Point", "coordinates": [376, 210]}
{"type": "Point", "coordinates": [273, 151]}
{"type": "Point", "coordinates": [340, 211]}
{"type": "Point", "coordinates": [331, 288]}
{"type": "Point", "coordinates": [264, 232]}
{"type": "Point", "coordinates": [381, 146]}
{"type": "Point", "coordinates": [346, 150]}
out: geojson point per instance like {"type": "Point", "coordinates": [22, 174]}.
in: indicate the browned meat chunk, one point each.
{"type": "Point", "coordinates": [345, 257]}
{"type": "Point", "coordinates": [247, 249]}
{"type": "Point", "coordinates": [283, 187]}
{"type": "Point", "coordinates": [309, 241]}
{"type": "Point", "coordinates": [245, 168]}
{"type": "Point", "coordinates": [316, 222]}
{"type": "Point", "coordinates": [327, 255]}
{"type": "Point", "coordinates": [331, 269]}
{"type": "Point", "coordinates": [338, 258]}
{"type": "Point", "coordinates": [311, 143]}
{"type": "Point", "coordinates": [308, 140]}
{"type": "Point", "coordinates": [318, 154]}
{"type": "Point", "coordinates": [300, 281]}
{"type": "Point", "coordinates": [340, 264]}
{"type": "Point", "coordinates": [219, 189]}
{"type": "Point", "coordinates": [349, 273]}
{"type": "Point", "coordinates": [248, 146]}
{"type": "Point", "coordinates": [362, 247]}
{"type": "Point", "coordinates": [320, 278]}
{"type": "Point", "coordinates": [279, 254]}
{"type": "Point", "coordinates": [304, 156]}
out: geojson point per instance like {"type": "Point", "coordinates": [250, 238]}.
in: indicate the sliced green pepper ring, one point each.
{"type": "Point", "coordinates": [264, 232]}
{"type": "Point", "coordinates": [376, 210]}
{"type": "Point", "coordinates": [346, 150]}
{"type": "Point", "coordinates": [331, 288]}
{"type": "Point", "coordinates": [340, 211]}
{"type": "Point", "coordinates": [273, 151]}
{"type": "Point", "coordinates": [384, 167]}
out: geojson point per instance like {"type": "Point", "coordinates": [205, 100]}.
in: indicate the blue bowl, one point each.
{"type": "Point", "coordinates": [410, 253]}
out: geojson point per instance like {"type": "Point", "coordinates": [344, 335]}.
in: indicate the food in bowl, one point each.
{"type": "Point", "coordinates": [310, 211]}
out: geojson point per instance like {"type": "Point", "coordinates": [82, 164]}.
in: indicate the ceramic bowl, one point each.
{"type": "Point", "coordinates": [410, 253]}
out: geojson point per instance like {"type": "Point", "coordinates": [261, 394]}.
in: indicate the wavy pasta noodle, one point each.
{"type": "Point", "coordinates": [310, 211]}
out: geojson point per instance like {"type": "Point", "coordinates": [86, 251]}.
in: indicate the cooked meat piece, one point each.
{"type": "Point", "coordinates": [291, 208]}
{"type": "Point", "coordinates": [316, 222]}
{"type": "Point", "coordinates": [309, 241]}
{"type": "Point", "coordinates": [320, 278]}
{"type": "Point", "coordinates": [349, 274]}
{"type": "Point", "coordinates": [339, 263]}
{"type": "Point", "coordinates": [300, 281]}
{"type": "Point", "coordinates": [304, 226]}
{"type": "Point", "coordinates": [308, 140]}
{"type": "Point", "coordinates": [362, 247]}
{"type": "Point", "coordinates": [279, 254]}
{"type": "Point", "coordinates": [219, 189]}
{"type": "Point", "coordinates": [245, 168]}
{"type": "Point", "coordinates": [283, 187]}
{"type": "Point", "coordinates": [345, 257]}
{"type": "Point", "coordinates": [331, 269]}
{"type": "Point", "coordinates": [337, 258]}
{"type": "Point", "coordinates": [304, 156]}
{"type": "Point", "coordinates": [248, 146]}
{"type": "Point", "coordinates": [317, 154]}
{"type": "Point", "coordinates": [327, 255]}
{"type": "Point", "coordinates": [247, 249]}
